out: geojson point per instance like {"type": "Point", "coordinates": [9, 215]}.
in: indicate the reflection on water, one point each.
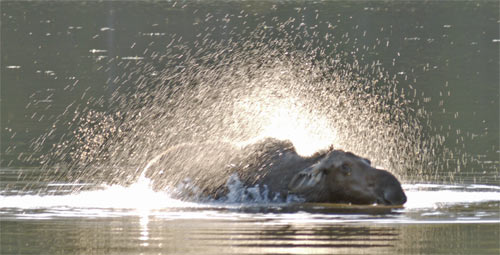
{"type": "Point", "coordinates": [460, 219]}
{"type": "Point", "coordinates": [156, 235]}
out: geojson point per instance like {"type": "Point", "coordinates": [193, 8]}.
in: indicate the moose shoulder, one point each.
{"type": "Point", "coordinates": [332, 176]}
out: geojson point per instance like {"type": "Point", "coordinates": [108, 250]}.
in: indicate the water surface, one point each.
{"type": "Point", "coordinates": [91, 91]}
{"type": "Point", "coordinates": [462, 219]}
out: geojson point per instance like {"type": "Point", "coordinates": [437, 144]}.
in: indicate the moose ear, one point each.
{"type": "Point", "coordinates": [307, 179]}
{"type": "Point", "coordinates": [367, 161]}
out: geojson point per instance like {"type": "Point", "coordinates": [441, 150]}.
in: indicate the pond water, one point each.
{"type": "Point", "coordinates": [91, 91]}
{"type": "Point", "coordinates": [461, 219]}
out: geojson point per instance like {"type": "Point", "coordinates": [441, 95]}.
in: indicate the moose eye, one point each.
{"type": "Point", "coordinates": [346, 169]}
{"type": "Point", "coordinates": [325, 171]}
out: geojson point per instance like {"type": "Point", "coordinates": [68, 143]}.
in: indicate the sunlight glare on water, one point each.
{"type": "Point", "coordinates": [433, 196]}
{"type": "Point", "coordinates": [424, 201]}
{"type": "Point", "coordinates": [137, 196]}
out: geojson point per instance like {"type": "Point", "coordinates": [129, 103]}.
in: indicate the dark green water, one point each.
{"type": "Point", "coordinates": [62, 62]}
{"type": "Point", "coordinates": [125, 235]}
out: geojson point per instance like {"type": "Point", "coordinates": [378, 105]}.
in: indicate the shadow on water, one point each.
{"type": "Point", "coordinates": [323, 208]}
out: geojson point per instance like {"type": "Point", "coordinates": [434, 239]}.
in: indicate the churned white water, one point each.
{"type": "Point", "coordinates": [425, 201]}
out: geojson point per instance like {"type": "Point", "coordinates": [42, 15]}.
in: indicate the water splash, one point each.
{"type": "Point", "coordinates": [236, 90]}
{"type": "Point", "coordinates": [239, 193]}
{"type": "Point", "coordinates": [138, 196]}
{"type": "Point", "coordinates": [427, 203]}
